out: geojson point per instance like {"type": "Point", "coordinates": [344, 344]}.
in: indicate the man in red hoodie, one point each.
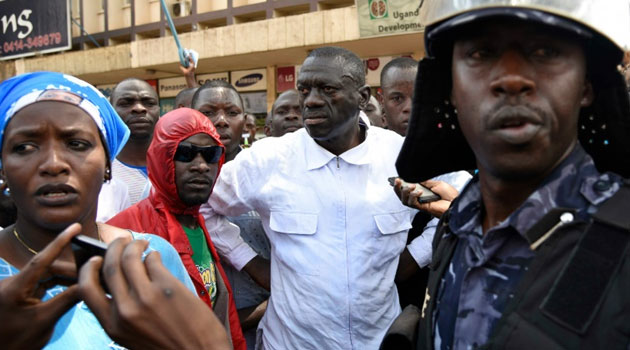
{"type": "Point", "coordinates": [183, 161]}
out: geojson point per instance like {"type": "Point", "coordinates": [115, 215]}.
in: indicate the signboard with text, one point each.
{"type": "Point", "coordinates": [170, 87]}
{"type": "Point", "coordinates": [34, 26]}
{"type": "Point", "coordinates": [249, 80]}
{"type": "Point", "coordinates": [202, 78]}
{"type": "Point", "coordinates": [286, 79]}
{"type": "Point", "coordinates": [387, 17]}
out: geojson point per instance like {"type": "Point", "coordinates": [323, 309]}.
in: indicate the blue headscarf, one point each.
{"type": "Point", "coordinates": [25, 89]}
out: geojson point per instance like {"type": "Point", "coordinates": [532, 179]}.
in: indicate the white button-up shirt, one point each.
{"type": "Point", "coordinates": [336, 230]}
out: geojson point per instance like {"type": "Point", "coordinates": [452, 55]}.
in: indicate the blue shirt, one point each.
{"type": "Point", "coordinates": [246, 292]}
{"type": "Point", "coordinates": [486, 268]}
{"type": "Point", "coordinates": [78, 328]}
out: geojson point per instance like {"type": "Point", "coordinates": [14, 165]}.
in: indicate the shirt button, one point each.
{"type": "Point", "coordinates": [203, 292]}
{"type": "Point", "coordinates": [601, 185]}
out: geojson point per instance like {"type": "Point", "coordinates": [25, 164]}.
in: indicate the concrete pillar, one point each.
{"type": "Point", "coordinates": [271, 86]}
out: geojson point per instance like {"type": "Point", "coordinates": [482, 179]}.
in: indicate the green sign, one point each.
{"type": "Point", "coordinates": [386, 17]}
{"type": "Point", "coordinates": [167, 105]}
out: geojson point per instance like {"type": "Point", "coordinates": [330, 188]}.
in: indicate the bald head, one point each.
{"type": "Point", "coordinates": [285, 115]}
{"type": "Point", "coordinates": [125, 84]}
{"type": "Point", "coordinates": [137, 104]}
{"type": "Point", "coordinates": [400, 64]}
{"type": "Point", "coordinates": [184, 98]}
{"type": "Point", "coordinates": [352, 65]}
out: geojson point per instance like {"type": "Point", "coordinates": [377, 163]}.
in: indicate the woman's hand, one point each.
{"type": "Point", "coordinates": [149, 307]}
{"type": "Point", "coordinates": [27, 321]}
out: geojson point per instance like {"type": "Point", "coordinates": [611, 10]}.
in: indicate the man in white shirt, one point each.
{"type": "Point", "coordinates": [137, 104]}
{"type": "Point", "coordinates": [113, 198]}
{"type": "Point", "coordinates": [336, 227]}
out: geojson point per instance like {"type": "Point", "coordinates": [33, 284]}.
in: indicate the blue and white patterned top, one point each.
{"type": "Point", "coordinates": [486, 268]}
{"type": "Point", "coordinates": [78, 328]}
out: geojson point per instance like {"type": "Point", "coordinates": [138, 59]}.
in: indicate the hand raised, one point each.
{"type": "Point", "coordinates": [190, 70]}
{"type": "Point", "coordinates": [149, 307]}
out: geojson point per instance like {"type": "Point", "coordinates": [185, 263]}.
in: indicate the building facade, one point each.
{"type": "Point", "coordinates": [257, 45]}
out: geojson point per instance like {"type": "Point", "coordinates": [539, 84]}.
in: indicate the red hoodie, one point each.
{"type": "Point", "coordinates": [156, 214]}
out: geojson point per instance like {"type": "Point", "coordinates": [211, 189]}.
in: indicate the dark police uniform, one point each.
{"type": "Point", "coordinates": [555, 274]}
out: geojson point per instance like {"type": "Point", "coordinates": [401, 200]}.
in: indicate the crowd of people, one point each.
{"type": "Point", "coordinates": [319, 235]}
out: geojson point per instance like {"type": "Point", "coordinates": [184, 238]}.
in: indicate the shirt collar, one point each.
{"type": "Point", "coordinates": [317, 156]}
{"type": "Point", "coordinates": [558, 190]}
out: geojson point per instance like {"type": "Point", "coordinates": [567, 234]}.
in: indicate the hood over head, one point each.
{"type": "Point", "coordinates": [173, 128]}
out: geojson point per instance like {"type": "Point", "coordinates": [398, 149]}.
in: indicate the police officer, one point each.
{"type": "Point", "coordinates": [534, 253]}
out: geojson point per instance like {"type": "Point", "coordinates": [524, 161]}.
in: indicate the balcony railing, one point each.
{"type": "Point", "coordinates": [231, 12]}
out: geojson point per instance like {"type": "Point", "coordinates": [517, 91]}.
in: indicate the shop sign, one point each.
{"type": "Point", "coordinates": [203, 78]}
{"type": "Point", "coordinates": [167, 105]}
{"type": "Point", "coordinates": [387, 17]}
{"type": "Point", "coordinates": [286, 79]}
{"type": "Point", "coordinates": [34, 26]}
{"type": "Point", "coordinates": [249, 80]}
{"type": "Point", "coordinates": [170, 87]}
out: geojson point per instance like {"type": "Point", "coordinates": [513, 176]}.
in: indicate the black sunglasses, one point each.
{"type": "Point", "coordinates": [187, 152]}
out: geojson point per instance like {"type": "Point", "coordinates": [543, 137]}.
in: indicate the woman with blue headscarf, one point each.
{"type": "Point", "coordinates": [58, 136]}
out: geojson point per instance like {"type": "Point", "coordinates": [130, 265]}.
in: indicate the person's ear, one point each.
{"type": "Point", "coordinates": [364, 96]}
{"type": "Point", "coordinates": [588, 95]}
{"type": "Point", "coordinates": [108, 171]}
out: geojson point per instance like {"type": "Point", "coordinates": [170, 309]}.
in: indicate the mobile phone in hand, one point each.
{"type": "Point", "coordinates": [426, 196]}
{"type": "Point", "coordinates": [83, 248]}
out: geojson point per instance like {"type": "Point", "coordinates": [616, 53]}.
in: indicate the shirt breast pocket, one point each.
{"type": "Point", "coordinates": [391, 234]}
{"type": "Point", "coordinates": [295, 243]}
